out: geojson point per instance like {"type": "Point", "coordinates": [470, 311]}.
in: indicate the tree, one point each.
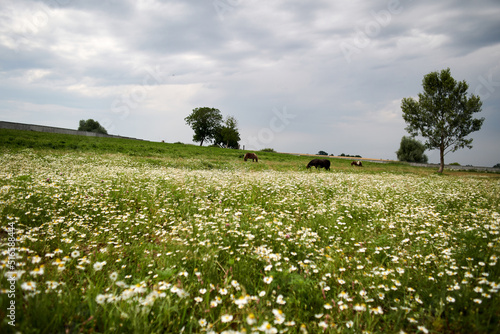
{"type": "Point", "coordinates": [228, 135]}
{"type": "Point", "coordinates": [411, 150]}
{"type": "Point", "coordinates": [205, 122]}
{"type": "Point", "coordinates": [322, 153]}
{"type": "Point", "coordinates": [91, 126]}
{"type": "Point", "coordinates": [443, 114]}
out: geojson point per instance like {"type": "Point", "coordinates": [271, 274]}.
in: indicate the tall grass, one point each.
{"type": "Point", "coordinates": [160, 243]}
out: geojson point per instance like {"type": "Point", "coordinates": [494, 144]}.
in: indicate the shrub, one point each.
{"type": "Point", "coordinates": [91, 126]}
{"type": "Point", "coordinates": [411, 150]}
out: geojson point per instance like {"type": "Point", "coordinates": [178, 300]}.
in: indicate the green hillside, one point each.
{"type": "Point", "coordinates": [185, 155]}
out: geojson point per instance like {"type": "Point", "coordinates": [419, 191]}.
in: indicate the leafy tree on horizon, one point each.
{"type": "Point", "coordinates": [411, 150]}
{"type": "Point", "coordinates": [228, 134]}
{"type": "Point", "coordinates": [205, 122]}
{"type": "Point", "coordinates": [91, 126]}
{"type": "Point", "coordinates": [443, 114]}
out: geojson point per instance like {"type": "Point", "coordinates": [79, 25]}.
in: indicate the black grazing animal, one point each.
{"type": "Point", "coordinates": [252, 156]}
{"type": "Point", "coordinates": [321, 163]}
{"type": "Point", "coordinates": [357, 163]}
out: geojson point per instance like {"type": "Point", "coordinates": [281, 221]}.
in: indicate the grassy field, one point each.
{"type": "Point", "coordinates": [104, 235]}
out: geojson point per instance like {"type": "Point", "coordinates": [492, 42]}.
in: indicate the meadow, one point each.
{"type": "Point", "coordinates": [106, 235]}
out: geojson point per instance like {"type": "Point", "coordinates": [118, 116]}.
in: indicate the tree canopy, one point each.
{"type": "Point", "coordinates": [411, 150]}
{"type": "Point", "coordinates": [443, 114]}
{"type": "Point", "coordinates": [205, 123]}
{"type": "Point", "coordinates": [91, 126]}
{"type": "Point", "coordinates": [227, 135]}
{"type": "Point", "coordinates": [208, 126]}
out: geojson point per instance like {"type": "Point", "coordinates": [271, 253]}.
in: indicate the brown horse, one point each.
{"type": "Point", "coordinates": [357, 163]}
{"type": "Point", "coordinates": [252, 156]}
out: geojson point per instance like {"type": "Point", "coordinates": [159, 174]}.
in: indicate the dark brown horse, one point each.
{"type": "Point", "coordinates": [321, 163]}
{"type": "Point", "coordinates": [357, 163]}
{"type": "Point", "coordinates": [252, 156]}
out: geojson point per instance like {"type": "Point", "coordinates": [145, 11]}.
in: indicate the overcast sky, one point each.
{"type": "Point", "coordinates": [299, 76]}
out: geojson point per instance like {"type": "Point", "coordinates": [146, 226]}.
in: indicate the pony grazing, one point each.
{"type": "Point", "coordinates": [252, 156]}
{"type": "Point", "coordinates": [357, 163]}
{"type": "Point", "coordinates": [321, 163]}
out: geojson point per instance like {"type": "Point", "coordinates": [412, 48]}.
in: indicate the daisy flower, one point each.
{"type": "Point", "coordinates": [251, 319]}
{"type": "Point", "coordinates": [100, 299]}
{"type": "Point", "coordinates": [226, 318]}
{"type": "Point", "coordinates": [113, 276]}
{"type": "Point", "coordinates": [98, 265]}
{"type": "Point", "coordinates": [30, 286]}
{"type": "Point", "coordinates": [280, 300]}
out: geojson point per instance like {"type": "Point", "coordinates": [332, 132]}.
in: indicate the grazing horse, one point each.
{"type": "Point", "coordinates": [357, 163]}
{"type": "Point", "coordinates": [252, 156]}
{"type": "Point", "coordinates": [321, 163]}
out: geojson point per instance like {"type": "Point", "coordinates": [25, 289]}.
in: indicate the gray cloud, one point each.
{"type": "Point", "coordinates": [340, 69]}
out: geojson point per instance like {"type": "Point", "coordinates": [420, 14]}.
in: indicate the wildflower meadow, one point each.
{"type": "Point", "coordinates": [114, 243]}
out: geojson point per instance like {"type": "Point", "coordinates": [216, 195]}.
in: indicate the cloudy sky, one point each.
{"type": "Point", "coordinates": [299, 76]}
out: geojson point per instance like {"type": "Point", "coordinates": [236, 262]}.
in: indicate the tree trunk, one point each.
{"type": "Point", "coordinates": [441, 160]}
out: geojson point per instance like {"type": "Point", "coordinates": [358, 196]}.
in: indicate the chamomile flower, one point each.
{"type": "Point", "coordinates": [100, 299]}
{"type": "Point", "coordinates": [280, 300]}
{"type": "Point", "coordinates": [37, 271]}
{"type": "Point", "coordinates": [29, 286]}
{"type": "Point", "coordinates": [323, 324]}
{"type": "Point", "coordinates": [423, 329]}
{"type": "Point", "coordinates": [360, 307]}
{"type": "Point", "coordinates": [99, 265]}
{"type": "Point", "coordinates": [251, 320]}
{"type": "Point", "coordinates": [226, 318]}
{"type": "Point", "coordinates": [343, 295]}
{"type": "Point", "coordinates": [267, 328]}
{"type": "Point", "coordinates": [377, 310]}
{"type": "Point", "coordinates": [241, 301]}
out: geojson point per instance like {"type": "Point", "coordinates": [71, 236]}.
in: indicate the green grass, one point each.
{"type": "Point", "coordinates": [125, 236]}
{"type": "Point", "coordinates": [194, 157]}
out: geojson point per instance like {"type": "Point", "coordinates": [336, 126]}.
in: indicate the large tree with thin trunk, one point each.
{"type": "Point", "coordinates": [205, 122]}
{"type": "Point", "coordinates": [443, 114]}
